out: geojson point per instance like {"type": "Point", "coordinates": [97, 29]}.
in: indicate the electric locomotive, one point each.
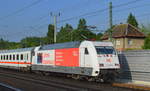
{"type": "Point", "coordinates": [91, 60]}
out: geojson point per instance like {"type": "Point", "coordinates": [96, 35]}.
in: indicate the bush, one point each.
{"type": "Point", "coordinates": [147, 42]}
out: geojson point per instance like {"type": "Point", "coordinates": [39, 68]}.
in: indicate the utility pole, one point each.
{"type": "Point", "coordinates": [55, 25]}
{"type": "Point", "coordinates": [110, 15]}
{"type": "Point", "coordinates": [110, 21]}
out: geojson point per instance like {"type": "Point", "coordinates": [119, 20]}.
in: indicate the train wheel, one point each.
{"type": "Point", "coordinates": [46, 73]}
{"type": "Point", "coordinates": [90, 79]}
{"type": "Point", "coordinates": [76, 77]}
{"type": "Point", "coordinates": [69, 76]}
{"type": "Point", "coordinates": [38, 72]}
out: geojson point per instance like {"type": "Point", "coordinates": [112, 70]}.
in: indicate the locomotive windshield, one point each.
{"type": "Point", "coordinates": [105, 50]}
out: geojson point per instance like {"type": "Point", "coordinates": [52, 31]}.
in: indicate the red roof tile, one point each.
{"type": "Point", "coordinates": [124, 30]}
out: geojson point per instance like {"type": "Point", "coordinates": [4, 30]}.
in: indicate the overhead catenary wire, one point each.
{"type": "Point", "coordinates": [125, 9]}
{"type": "Point", "coordinates": [21, 9]}
{"type": "Point", "coordinates": [99, 11]}
{"type": "Point", "coordinates": [89, 15]}
{"type": "Point", "coordinates": [62, 10]}
{"type": "Point", "coordinates": [117, 11]}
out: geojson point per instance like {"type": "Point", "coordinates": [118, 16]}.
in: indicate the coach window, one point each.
{"type": "Point", "coordinates": [39, 58]}
{"type": "Point", "coordinates": [13, 57]}
{"type": "Point", "coordinates": [21, 56]}
{"type": "Point", "coordinates": [6, 57]}
{"type": "Point", "coordinates": [86, 51]}
{"type": "Point", "coordinates": [10, 57]}
{"type": "Point", "coordinates": [17, 56]}
{"type": "Point", "coordinates": [2, 57]}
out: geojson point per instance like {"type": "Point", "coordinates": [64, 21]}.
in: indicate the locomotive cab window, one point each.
{"type": "Point", "coordinates": [105, 50]}
{"type": "Point", "coordinates": [86, 51]}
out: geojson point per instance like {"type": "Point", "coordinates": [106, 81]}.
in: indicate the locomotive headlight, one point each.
{"type": "Point", "coordinates": [96, 72]}
{"type": "Point", "coordinates": [117, 65]}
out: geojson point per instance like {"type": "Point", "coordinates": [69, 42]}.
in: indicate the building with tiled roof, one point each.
{"type": "Point", "coordinates": [126, 36]}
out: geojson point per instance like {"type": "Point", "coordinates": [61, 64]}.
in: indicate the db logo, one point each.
{"type": "Point", "coordinates": [108, 60]}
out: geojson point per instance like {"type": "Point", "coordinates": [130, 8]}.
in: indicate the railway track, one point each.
{"type": "Point", "coordinates": [48, 83]}
{"type": "Point", "coordinates": [58, 83]}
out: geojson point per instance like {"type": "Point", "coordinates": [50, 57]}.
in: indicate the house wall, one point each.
{"type": "Point", "coordinates": [131, 43]}
{"type": "Point", "coordinates": [127, 43]}
{"type": "Point", "coordinates": [119, 43]}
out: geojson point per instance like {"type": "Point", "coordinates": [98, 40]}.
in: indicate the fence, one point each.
{"type": "Point", "coordinates": [135, 65]}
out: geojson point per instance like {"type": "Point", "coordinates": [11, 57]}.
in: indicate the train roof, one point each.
{"type": "Point", "coordinates": [61, 45]}
{"type": "Point", "coordinates": [17, 50]}
{"type": "Point", "coordinates": [75, 44]}
{"type": "Point", "coordinates": [98, 43]}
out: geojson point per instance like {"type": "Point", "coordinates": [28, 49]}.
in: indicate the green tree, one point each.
{"type": "Point", "coordinates": [8, 45]}
{"type": "Point", "coordinates": [50, 34]}
{"type": "Point", "coordinates": [65, 34]}
{"type": "Point", "coordinates": [132, 20]}
{"type": "Point", "coordinates": [98, 36]}
{"type": "Point", "coordinates": [82, 32]}
{"type": "Point", "coordinates": [14, 45]}
{"type": "Point", "coordinates": [147, 42]}
{"type": "Point", "coordinates": [145, 29]}
{"type": "Point", "coordinates": [3, 44]}
{"type": "Point", "coordinates": [79, 35]}
{"type": "Point", "coordinates": [82, 24]}
{"type": "Point", "coordinates": [30, 42]}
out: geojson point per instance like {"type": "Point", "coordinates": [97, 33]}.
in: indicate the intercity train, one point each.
{"type": "Point", "coordinates": [91, 60]}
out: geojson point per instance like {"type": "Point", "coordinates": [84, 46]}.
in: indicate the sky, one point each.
{"type": "Point", "coordinates": [26, 18]}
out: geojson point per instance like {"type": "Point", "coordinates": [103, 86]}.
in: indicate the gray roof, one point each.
{"type": "Point", "coordinates": [46, 47]}
{"type": "Point", "coordinates": [61, 45]}
{"type": "Point", "coordinates": [17, 50]}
